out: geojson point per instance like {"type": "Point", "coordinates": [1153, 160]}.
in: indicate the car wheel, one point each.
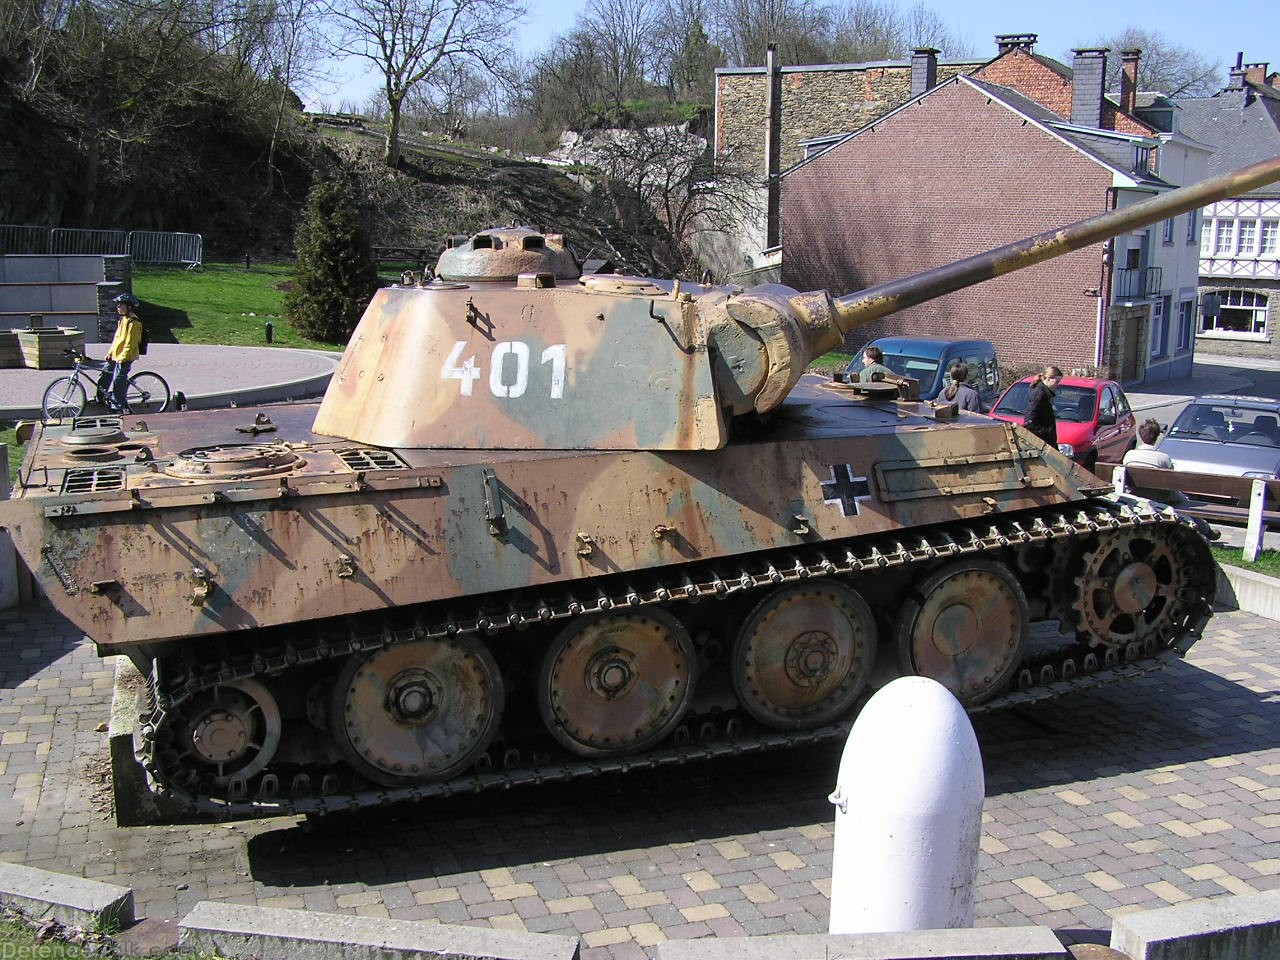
{"type": "Point", "coordinates": [1090, 460]}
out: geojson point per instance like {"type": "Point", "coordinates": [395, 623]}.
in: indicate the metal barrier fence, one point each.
{"type": "Point", "coordinates": [150, 246]}
{"type": "Point", "coordinates": [99, 242]}
{"type": "Point", "coordinates": [145, 246]}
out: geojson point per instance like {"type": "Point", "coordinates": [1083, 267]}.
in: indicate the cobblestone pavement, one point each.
{"type": "Point", "coordinates": [1135, 796]}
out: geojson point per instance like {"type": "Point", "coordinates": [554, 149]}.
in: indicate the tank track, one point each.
{"type": "Point", "coordinates": [1043, 676]}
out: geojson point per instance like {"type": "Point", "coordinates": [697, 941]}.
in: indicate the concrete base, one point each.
{"type": "Point", "coordinates": [987, 943]}
{"type": "Point", "coordinates": [73, 901]}
{"type": "Point", "coordinates": [1241, 589]}
{"type": "Point", "coordinates": [235, 930]}
{"type": "Point", "coordinates": [1228, 928]}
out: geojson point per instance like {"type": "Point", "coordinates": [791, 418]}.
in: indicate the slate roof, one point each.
{"type": "Point", "coordinates": [1242, 125]}
{"type": "Point", "coordinates": [1114, 150]}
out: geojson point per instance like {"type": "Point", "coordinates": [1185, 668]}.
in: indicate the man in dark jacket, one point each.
{"type": "Point", "coordinates": [1039, 416]}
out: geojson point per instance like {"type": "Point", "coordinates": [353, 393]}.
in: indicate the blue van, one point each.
{"type": "Point", "coordinates": [928, 359]}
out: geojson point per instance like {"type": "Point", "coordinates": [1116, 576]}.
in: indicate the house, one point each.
{"type": "Point", "coordinates": [1240, 241]}
{"type": "Point", "coordinates": [767, 118]}
{"type": "Point", "coordinates": [1021, 145]}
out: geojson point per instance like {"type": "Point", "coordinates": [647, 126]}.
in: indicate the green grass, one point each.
{"type": "Point", "coordinates": [1268, 560]}
{"type": "Point", "coordinates": [829, 363]}
{"type": "Point", "coordinates": [221, 303]}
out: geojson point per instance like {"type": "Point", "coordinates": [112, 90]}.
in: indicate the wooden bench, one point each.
{"type": "Point", "coordinates": [1252, 502]}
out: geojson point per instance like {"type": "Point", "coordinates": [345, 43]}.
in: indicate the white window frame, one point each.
{"type": "Point", "coordinates": [1186, 320]}
{"type": "Point", "coordinates": [1167, 236]}
{"type": "Point", "coordinates": [1159, 329]}
{"type": "Point", "coordinates": [1256, 302]}
{"type": "Point", "coordinates": [1224, 237]}
{"type": "Point", "coordinates": [1247, 237]}
{"type": "Point", "coordinates": [1193, 220]}
{"type": "Point", "coordinates": [1269, 238]}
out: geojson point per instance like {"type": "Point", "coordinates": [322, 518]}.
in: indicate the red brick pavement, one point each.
{"type": "Point", "coordinates": [1131, 797]}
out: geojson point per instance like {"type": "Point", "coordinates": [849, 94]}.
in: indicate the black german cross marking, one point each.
{"type": "Point", "coordinates": [845, 489]}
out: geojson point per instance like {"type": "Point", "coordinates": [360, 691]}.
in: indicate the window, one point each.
{"type": "Point", "coordinates": [1141, 159]}
{"type": "Point", "coordinates": [1270, 238]}
{"type": "Point", "coordinates": [1159, 328]}
{"type": "Point", "coordinates": [1248, 245]}
{"type": "Point", "coordinates": [1242, 312]}
{"type": "Point", "coordinates": [1167, 238]}
{"type": "Point", "coordinates": [1224, 238]}
{"type": "Point", "coordinates": [1186, 311]}
{"type": "Point", "coordinates": [1193, 221]}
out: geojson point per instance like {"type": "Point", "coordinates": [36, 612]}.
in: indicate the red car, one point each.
{"type": "Point", "coordinates": [1094, 419]}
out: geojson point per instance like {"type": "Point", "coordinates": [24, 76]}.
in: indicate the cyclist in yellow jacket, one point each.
{"type": "Point", "coordinates": [124, 350]}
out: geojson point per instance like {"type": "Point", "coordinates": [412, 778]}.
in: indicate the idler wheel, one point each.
{"type": "Point", "coordinates": [966, 626]}
{"type": "Point", "coordinates": [417, 711]}
{"type": "Point", "coordinates": [231, 730]}
{"type": "Point", "coordinates": [1134, 585]}
{"type": "Point", "coordinates": [804, 654]}
{"type": "Point", "coordinates": [617, 683]}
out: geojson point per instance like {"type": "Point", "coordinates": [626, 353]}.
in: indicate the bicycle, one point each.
{"type": "Point", "coordinates": [67, 397]}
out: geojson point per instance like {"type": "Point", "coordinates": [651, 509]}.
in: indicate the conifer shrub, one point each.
{"type": "Point", "coordinates": [334, 271]}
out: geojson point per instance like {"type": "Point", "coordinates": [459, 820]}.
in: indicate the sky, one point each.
{"type": "Point", "coordinates": [1216, 32]}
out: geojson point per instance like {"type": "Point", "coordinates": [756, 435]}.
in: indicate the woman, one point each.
{"type": "Point", "coordinates": [1039, 417]}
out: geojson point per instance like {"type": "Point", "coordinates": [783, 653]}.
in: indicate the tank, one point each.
{"type": "Point", "coordinates": [543, 526]}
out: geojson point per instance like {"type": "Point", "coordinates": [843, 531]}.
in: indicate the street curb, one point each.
{"type": "Point", "coordinates": [238, 930]}
{"type": "Point", "coordinates": [969, 943]}
{"type": "Point", "coordinates": [1247, 590]}
{"type": "Point", "coordinates": [73, 901]}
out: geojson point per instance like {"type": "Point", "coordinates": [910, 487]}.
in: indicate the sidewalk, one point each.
{"type": "Point", "coordinates": [1211, 374]}
{"type": "Point", "coordinates": [207, 376]}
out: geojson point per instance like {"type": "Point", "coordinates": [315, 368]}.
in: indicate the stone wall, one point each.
{"type": "Point", "coordinates": [816, 101]}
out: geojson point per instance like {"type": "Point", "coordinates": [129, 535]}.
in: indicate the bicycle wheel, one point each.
{"type": "Point", "coordinates": [147, 393]}
{"type": "Point", "coordinates": [63, 399]}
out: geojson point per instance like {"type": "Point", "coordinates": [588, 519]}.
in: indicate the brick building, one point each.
{"type": "Point", "coordinates": [763, 127]}
{"type": "Point", "coordinates": [973, 163]}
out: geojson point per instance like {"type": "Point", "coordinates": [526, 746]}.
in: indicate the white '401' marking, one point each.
{"type": "Point", "coordinates": [508, 369]}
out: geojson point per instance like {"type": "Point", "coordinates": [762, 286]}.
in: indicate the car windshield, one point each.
{"type": "Point", "coordinates": [1072, 404]}
{"type": "Point", "coordinates": [1252, 426]}
{"type": "Point", "coordinates": [923, 369]}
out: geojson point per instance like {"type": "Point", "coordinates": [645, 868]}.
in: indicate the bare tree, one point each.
{"type": "Point", "coordinates": [685, 56]}
{"type": "Point", "coordinates": [800, 30]}
{"type": "Point", "coordinates": [1164, 66]}
{"type": "Point", "coordinates": [409, 40]}
{"type": "Point", "coordinates": [623, 33]}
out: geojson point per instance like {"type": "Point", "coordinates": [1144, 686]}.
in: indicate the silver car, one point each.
{"type": "Point", "coordinates": [1231, 436]}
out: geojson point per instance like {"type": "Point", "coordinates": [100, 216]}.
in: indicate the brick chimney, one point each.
{"type": "Point", "coordinates": [1256, 73]}
{"type": "Point", "coordinates": [1128, 79]}
{"type": "Point", "coordinates": [924, 70]}
{"type": "Point", "coordinates": [1236, 78]}
{"type": "Point", "coordinates": [1015, 41]}
{"type": "Point", "coordinates": [1089, 80]}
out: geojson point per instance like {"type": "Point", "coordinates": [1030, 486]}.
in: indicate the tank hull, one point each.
{"type": "Point", "coordinates": [303, 527]}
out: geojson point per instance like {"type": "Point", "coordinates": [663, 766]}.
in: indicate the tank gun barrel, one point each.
{"type": "Point", "coordinates": [872, 303]}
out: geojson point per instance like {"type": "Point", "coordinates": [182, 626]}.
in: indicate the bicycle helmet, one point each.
{"type": "Point", "coordinates": [128, 299]}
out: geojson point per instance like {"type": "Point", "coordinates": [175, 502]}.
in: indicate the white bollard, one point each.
{"type": "Point", "coordinates": [908, 814]}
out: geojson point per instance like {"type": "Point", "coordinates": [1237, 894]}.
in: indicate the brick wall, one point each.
{"type": "Point", "coordinates": [952, 176]}
{"type": "Point", "coordinates": [815, 102]}
{"type": "Point", "coordinates": [1019, 70]}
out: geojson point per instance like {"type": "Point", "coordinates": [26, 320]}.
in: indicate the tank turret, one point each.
{"type": "Point", "coordinates": [509, 348]}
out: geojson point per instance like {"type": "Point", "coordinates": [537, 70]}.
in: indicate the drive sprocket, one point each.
{"type": "Point", "coordinates": [1139, 585]}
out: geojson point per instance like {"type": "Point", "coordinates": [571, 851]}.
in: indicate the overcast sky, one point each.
{"type": "Point", "coordinates": [1216, 32]}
